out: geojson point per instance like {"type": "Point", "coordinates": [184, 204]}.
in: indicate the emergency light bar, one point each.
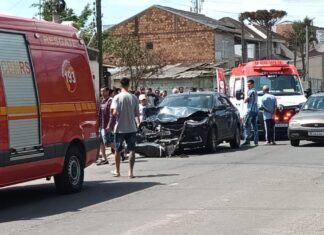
{"type": "Point", "coordinates": [270, 66]}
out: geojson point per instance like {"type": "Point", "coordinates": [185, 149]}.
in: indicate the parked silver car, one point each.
{"type": "Point", "coordinates": [308, 123]}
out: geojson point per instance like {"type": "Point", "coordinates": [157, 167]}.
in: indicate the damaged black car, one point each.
{"type": "Point", "coordinates": [188, 121]}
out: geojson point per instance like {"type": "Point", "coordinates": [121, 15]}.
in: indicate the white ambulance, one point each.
{"type": "Point", "coordinates": [283, 81]}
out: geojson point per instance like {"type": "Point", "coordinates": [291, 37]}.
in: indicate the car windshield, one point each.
{"type": "Point", "coordinates": [202, 101]}
{"type": "Point", "coordinates": [279, 84]}
{"type": "Point", "coordinates": [314, 103]}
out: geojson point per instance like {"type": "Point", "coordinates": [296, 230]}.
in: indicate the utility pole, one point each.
{"type": "Point", "coordinates": [243, 44]}
{"type": "Point", "coordinates": [197, 6]}
{"type": "Point", "coordinates": [307, 58]}
{"type": "Point", "coordinates": [99, 38]}
{"type": "Point", "coordinates": [55, 17]}
{"type": "Point", "coordinates": [40, 9]}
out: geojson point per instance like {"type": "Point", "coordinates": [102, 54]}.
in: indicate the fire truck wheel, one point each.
{"type": "Point", "coordinates": [294, 143]}
{"type": "Point", "coordinates": [71, 178]}
{"type": "Point", "coordinates": [235, 142]}
{"type": "Point", "coordinates": [212, 141]}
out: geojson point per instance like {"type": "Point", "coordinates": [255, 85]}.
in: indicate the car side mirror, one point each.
{"type": "Point", "coordinates": [220, 107]}
{"type": "Point", "coordinates": [239, 95]}
{"type": "Point", "coordinates": [297, 110]}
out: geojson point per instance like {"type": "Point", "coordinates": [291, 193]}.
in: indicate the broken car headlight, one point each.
{"type": "Point", "coordinates": [197, 123]}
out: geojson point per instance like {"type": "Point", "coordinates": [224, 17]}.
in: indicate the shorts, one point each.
{"type": "Point", "coordinates": [129, 138]}
{"type": "Point", "coordinates": [107, 138]}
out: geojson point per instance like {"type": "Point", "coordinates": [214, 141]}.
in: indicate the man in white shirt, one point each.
{"type": "Point", "coordinates": [142, 105]}
{"type": "Point", "coordinates": [126, 110]}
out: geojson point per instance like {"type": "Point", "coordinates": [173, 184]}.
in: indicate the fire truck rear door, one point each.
{"type": "Point", "coordinates": [20, 92]}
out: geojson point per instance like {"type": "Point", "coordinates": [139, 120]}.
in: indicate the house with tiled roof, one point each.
{"type": "Point", "coordinates": [255, 38]}
{"type": "Point", "coordinates": [183, 37]}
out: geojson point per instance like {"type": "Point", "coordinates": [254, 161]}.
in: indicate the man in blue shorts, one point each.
{"type": "Point", "coordinates": [125, 108]}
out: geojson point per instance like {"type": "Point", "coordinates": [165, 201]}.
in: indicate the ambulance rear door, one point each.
{"type": "Point", "coordinates": [21, 97]}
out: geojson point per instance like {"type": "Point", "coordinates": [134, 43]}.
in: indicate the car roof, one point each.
{"type": "Point", "coordinates": [318, 94]}
{"type": "Point", "coordinates": [195, 93]}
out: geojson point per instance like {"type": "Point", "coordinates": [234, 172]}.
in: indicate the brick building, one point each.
{"type": "Point", "coordinates": [182, 37]}
{"type": "Point", "coordinates": [185, 38]}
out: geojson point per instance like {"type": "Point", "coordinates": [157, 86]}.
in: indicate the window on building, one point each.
{"type": "Point", "coordinates": [149, 45]}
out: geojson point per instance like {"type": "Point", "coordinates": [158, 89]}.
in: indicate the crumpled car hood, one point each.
{"type": "Point", "coordinates": [171, 114]}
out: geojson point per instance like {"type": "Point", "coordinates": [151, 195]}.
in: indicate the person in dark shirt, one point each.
{"type": "Point", "coordinates": [104, 115]}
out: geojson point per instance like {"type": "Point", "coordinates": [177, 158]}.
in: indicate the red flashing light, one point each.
{"type": "Point", "coordinates": [270, 66]}
{"type": "Point", "coordinates": [288, 114]}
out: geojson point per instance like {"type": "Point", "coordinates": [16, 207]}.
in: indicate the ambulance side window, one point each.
{"type": "Point", "coordinates": [237, 85]}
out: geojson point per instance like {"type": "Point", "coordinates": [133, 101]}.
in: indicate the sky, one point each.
{"type": "Point", "coordinates": [119, 10]}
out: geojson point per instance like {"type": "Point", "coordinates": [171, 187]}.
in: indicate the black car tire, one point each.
{"type": "Point", "coordinates": [294, 143]}
{"type": "Point", "coordinates": [212, 140]}
{"type": "Point", "coordinates": [236, 141]}
{"type": "Point", "coordinates": [71, 178]}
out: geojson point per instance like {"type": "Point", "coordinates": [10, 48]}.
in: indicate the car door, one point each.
{"type": "Point", "coordinates": [229, 118]}
{"type": "Point", "coordinates": [238, 86]}
{"type": "Point", "coordinates": [219, 116]}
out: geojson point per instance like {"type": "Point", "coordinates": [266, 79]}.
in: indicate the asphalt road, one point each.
{"type": "Point", "coordinates": [253, 190]}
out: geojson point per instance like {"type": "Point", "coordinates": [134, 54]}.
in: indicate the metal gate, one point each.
{"type": "Point", "coordinates": [20, 92]}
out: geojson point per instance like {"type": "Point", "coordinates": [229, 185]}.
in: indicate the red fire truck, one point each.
{"type": "Point", "coordinates": [48, 119]}
{"type": "Point", "coordinates": [283, 81]}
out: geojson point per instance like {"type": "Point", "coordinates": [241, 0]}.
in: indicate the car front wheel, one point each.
{"type": "Point", "coordinates": [236, 141]}
{"type": "Point", "coordinates": [212, 140]}
{"type": "Point", "coordinates": [294, 143]}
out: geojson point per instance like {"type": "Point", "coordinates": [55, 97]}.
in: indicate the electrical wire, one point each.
{"type": "Point", "coordinates": [17, 3]}
{"type": "Point", "coordinates": [173, 3]}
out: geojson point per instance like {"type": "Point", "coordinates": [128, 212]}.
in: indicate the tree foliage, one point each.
{"type": "Point", "coordinates": [124, 51]}
{"type": "Point", "coordinates": [266, 19]}
{"type": "Point", "coordinates": [297, 39]}
{"type": "Point", "coordinates": [80, 22]}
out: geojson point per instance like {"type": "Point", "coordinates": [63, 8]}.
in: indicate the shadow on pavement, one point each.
{"type": "Point", "coordinates": [313, 144]}
{"type": "Point", "coordinates": [156, 175]}
{"type": "Point", "coordinates": [37, 201]}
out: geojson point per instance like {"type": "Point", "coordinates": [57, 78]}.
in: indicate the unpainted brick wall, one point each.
{"type": "Point", "coordinates": [178, 39]}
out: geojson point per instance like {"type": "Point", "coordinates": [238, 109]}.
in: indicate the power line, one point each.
{"type": "Point", "coordinates": [17, 3]}
{"type": "Point", "coordinates": [178, 4]}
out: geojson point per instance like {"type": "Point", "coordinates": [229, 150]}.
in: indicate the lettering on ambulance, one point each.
{"type": "Point", "coordinates": [272, 73]}
{"type": "Point", "coordinates": [68, 74]}
{"type": "Point", "coordinates": [58, 41]}
{"type": "Point", "coordinates": [13, 68]}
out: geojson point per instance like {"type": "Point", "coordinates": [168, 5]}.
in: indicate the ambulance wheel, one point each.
{"type": "Point", "coordinates": [294, 143]}
{"type": "Point", "coordinates": [71, 178]}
